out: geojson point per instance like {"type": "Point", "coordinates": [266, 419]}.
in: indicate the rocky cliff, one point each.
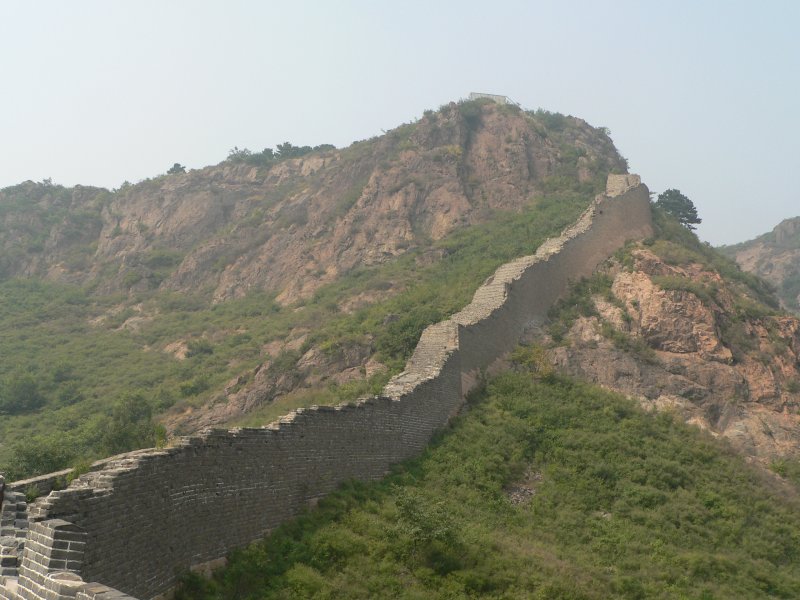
{"type": "Point", "coordinates": [670, 330]}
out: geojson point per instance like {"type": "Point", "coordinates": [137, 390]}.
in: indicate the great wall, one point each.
{"type": "Point", "coordinates": [135, 522]}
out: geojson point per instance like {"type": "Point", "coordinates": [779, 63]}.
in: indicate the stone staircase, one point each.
{"type": "Point", "coordinates": [13, 529]}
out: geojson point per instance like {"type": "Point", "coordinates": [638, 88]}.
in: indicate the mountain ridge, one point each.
{"type": "Point", "coordinates": [294, 225]}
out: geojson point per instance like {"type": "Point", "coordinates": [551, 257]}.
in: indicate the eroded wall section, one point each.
{"type": "Point", "coordinates": [150, 515]}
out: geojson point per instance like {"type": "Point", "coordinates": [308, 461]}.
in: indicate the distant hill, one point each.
{"type": "Point", "coordinates": [774, 256]}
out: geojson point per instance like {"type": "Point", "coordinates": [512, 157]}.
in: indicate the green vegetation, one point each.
{"type": "Point", "coordinates": [705, 291]}
{"type": "Point", "coordinates": [541, 490]}
{"type": "Point", "coordinates": [62, 376]}
{"type": "Point", "coordinates": [30, 211]}
{"type": "Point", "coordinates": [578, 303]}
{"type": "Point", "coordinates": [268, 156]}
{"type": "Point", "coordinates": [677, 245]}
{"type": "Point", "coordinates": [99, 363]}
{"type": "Point", "coordinates": [785, 237]}
{"type": "Point", "coordinates": [679, 207]}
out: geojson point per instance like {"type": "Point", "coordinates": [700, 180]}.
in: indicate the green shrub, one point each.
{"type": "Point", "coordinates": [130, 426]}
{"type": "Point", "coordinates": [199, 347]}
{"type": "Point", "coordinates": [628, 343]}
{"type": "Point", "coordinates": [578, 302]}
{"type": "Point", "coordinates": [535, 359]}
{"type": "Point", "coordinates": [554, 121]}
{"type": "Point", "coordinates": [20, 393]}
{"type": "Point", "coordinates": [162, 258]}
{"type": "Point", "coordinates": [196, 385]}
{"type": "Point", "coordinates": [706, 293]}
{"type": "Point", "coordinates": [32, 492]}
{"type": "Point", "coordinates": [472, 112]}
{"type": "Point", "coordinates": [82, 467]}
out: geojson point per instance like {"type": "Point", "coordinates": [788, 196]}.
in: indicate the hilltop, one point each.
{"type": "Point", "coordinates": [289, 226]}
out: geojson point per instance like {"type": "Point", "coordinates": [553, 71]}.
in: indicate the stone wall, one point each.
{"type": "Point", "coordinates": [149, 515]}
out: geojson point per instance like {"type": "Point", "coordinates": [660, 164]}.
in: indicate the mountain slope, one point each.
{"type": "Point", "coordinates": [774, 256]}
{"type": "Point", "coordinates": [142, 323]}
{"type": "Point", "coordinates": [540, 490]}
{"type": "Point", "coordinates": [291, 226]}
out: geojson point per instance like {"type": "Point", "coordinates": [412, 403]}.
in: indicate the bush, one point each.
{"type": "Point", "coordinates": [706, 293]}
{"type": "Point", "coordinates": [20, 393]}
{"type": "Point", "coordinates": [472, 113]}
{"type": "Point", "coordinates": [553, 121]}
{"type": "Point", "coordinates": [131, 426]}
{"type": "Point", "coordinates": [535, 359]}
{"type": "Point", "coordinates": [199, 347]}
{"type": "Point", "coordinates": [579, 302]}
{"type": "Point", "coordinates": [161, 258]}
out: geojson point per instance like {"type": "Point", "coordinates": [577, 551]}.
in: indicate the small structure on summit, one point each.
{"type": "Point", "coordinates": [493, 97]}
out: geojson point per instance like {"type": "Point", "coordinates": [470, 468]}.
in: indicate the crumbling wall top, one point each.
{"type": "Point", "coordinates": [616, 185]}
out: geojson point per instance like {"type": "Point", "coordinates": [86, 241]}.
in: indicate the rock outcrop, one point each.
{"type": "Point", "coordinates": [693, 351]}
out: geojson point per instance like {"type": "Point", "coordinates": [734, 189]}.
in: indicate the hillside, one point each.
{"type": "Point", "coordinates": [775, 257]}
{"type": "Point", "coordinates": [547, 487]}
{"type": "Point", "coordinates": [540, 490]}
{"type": "Point", "coordinates": [261, 284]}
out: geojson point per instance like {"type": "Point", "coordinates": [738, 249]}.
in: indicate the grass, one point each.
{"type": "Point", "coordinates": [625, 504]}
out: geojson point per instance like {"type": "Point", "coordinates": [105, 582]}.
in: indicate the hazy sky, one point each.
{"type": "Point", "coordinates": [700, 96]}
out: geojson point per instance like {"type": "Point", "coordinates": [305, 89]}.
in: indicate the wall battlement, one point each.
{"type": "Point", "coordinates": [139, 519]}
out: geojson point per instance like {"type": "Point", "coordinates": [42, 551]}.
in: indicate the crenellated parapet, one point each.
{"type": "Point", "coordinates": [141, 518]}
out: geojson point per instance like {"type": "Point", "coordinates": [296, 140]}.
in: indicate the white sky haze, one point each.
{"type": "Point", "coordinates": [702, 96]}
